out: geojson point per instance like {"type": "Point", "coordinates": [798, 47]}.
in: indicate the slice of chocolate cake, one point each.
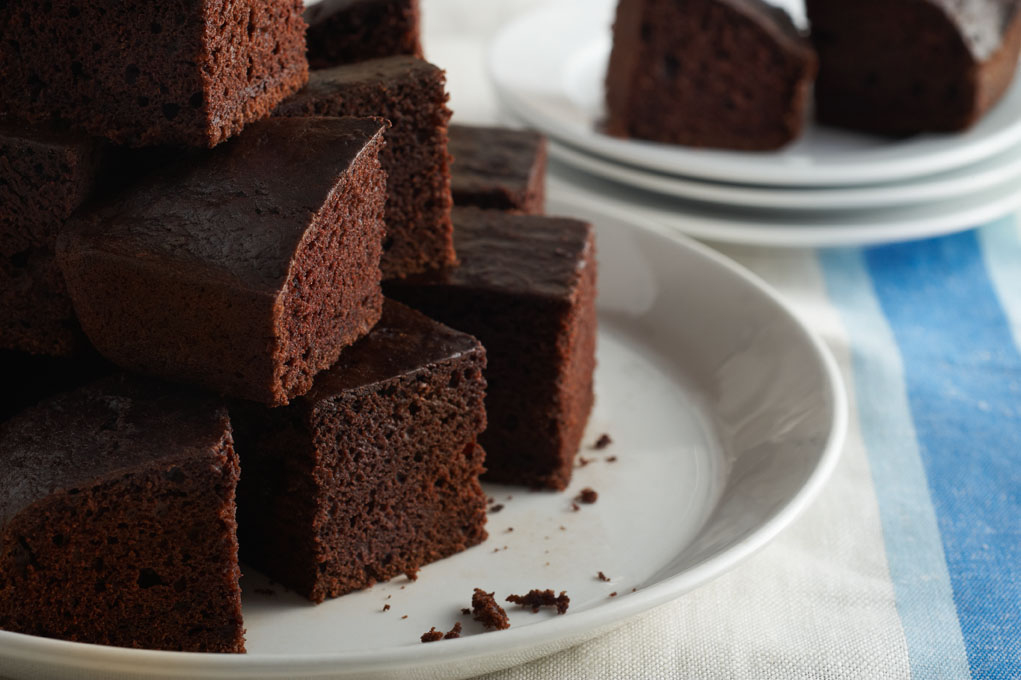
{"type": "Point", "coordinates": [245, 269]}
{"type": "Point", "coordinates": [346, 31]}
{"type": "Point", "coordinates": [411, 94]}
{"type": "Point", "coordinates": [731, 74]}
{"type": "Point", "coordinates": [498, 168]}
{"type": "Point", "coordinates": [526, 288]}
{"type": "Point", "coordinates": [117, 519]}
{"type": "Point", "coordinates": [176, 72]}
{"type": "Point", "coordinates": [373, 473]}
{"type": "Point", "coordinates": [36, 314]}
{"type": "Point", "coordinates": [904, 66]}
{"type": "Point", "coordinates": [45, 175]}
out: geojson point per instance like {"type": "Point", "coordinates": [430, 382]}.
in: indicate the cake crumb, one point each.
{"type": "Point", "coordinates": [634, 590]}
{"type": "Point", "coordinates": [454, 632]}
{"type": "Point", "coordinates": [575, 507]}
{"type": "Point", "coordinates": [404, 617]}
{"type": "Point", "coordinates": [412, 574]}
{"type": "Point", "coordinates": [611, 459]}
{"type": "Point", "coordinates": [583, 461]}
{"type": "Point", "coordinates": [433, 635]}
{"type": "Point", "coordinates": [508, 530]}
{"type": "Point", "coordinates": [603, 441]}
{"type": "Point", "coordinates": [486, 611]}
{"type": "Point", "coordinates": [588, 496]}
{"type": "Point", "coordinates": [603, 577]}
{"type": "Point", "coordinates": [389, 596]}
{"type": "Point", "coordinates": [466, 611]}
{"type": "Point", "coordinates": [613, 594]}
{"type": "Point", "coordinates": [535, 599]}
{"type": "Point", "coordinates": [265, 591]}
{"type": "Point", "coordinates": [386, 607]}
{"type": "Point", "coordinates": [496, 508]}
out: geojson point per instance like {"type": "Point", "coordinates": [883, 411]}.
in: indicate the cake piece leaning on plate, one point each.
{"type": "Point", "coordinates": [729, 74]}
{"type": "Point", "coordinates": [245, 269]}
{"type": "Point", "coordinates": [346, 31]}
{"type": "Point", "coordinates": [375, 472]}
{"type": "Point", "coordinates": [117, 519]}
{"type": "Point", "coordinates": [498, 168]}
{"type": "Point", "coordinates": [905, 66]}
{"type": "Point", "coordinates": [147, 73]}
{"type": "Point", "coordinates": [411, 94]}
{"type": "Point", "coordinates": [526, 288]}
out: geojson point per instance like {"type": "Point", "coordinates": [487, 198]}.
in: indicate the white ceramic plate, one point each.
{"type": "Point", "coordinates": [548, 68]}
{"type": "Point", "coordinates": [961, 183]}
{"type": "Point", "coordinates": [727, 416]}
{"type": "Point", "coordinates": [788, 229]}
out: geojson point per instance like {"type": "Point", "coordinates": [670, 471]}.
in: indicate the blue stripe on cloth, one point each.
{"type": "Point", "coordinates": [914, 550]}
{"type": "Point", "coordinates": [1001, 245]}
{"type": "Point", "coordinates": [963, 376]}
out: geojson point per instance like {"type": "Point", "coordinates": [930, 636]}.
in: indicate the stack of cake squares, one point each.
{"type": "Point", "coordinates": [196, 237]}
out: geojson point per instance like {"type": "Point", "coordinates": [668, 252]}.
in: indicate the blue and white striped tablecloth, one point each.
{"type": "Point", "coordinates": [909, 564]}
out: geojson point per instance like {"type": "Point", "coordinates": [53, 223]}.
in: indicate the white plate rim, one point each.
{"type": "Point", "coordinates": [84, 656]}
{"type": "Point", "coordinates": [915, 158]}
{"type": "Point", "coordinates": [958, 183]}
{"type": "Point", "coordinates": [873, 227]}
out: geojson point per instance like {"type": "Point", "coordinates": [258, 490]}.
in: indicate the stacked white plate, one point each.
{"type": "Point", "coordinates": [830, 187]}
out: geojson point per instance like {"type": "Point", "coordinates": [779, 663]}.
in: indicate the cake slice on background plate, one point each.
{"type": "Point", "coordinates": [729, 74]}
{"type": "Point", "coordinates": [903, 66]}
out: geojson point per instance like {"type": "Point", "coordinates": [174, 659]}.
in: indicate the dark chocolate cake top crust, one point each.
{"type": "Point", "coordinates": [487, 159]}
{"type": "Point", "coordinates": [100, 432]}
{"type": "Point", "coordinates": [403, 343]}
{"type": "Point", "coordinates": [324, 85]}
{"type": "Point", "coordinates": [520, 254]}
{"type": "Point", "coordinates": [241, 212]}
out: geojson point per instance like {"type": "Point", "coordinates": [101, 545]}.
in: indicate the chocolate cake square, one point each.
{"type": "Point", "coordinates": [45, 175]}
{"type": "Point", "coordinates": [498, 168]}
{"type": "Point", "coordinates": [36, 314]}
{"type": "Point", "coordinates": [117, 519]}
{"type": "Point", "coordinates": [526, 288]}
{"type": "Point", "coordinates": [373, 473]}
{"type": "Point", "coordinates": [144, 73]}
{"type": "Point", "coordinates": [346, 31]}
{"type": "Point", "coordinates": [411, 94]}
{"type": "Point", "coordinates": [245, 269]}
